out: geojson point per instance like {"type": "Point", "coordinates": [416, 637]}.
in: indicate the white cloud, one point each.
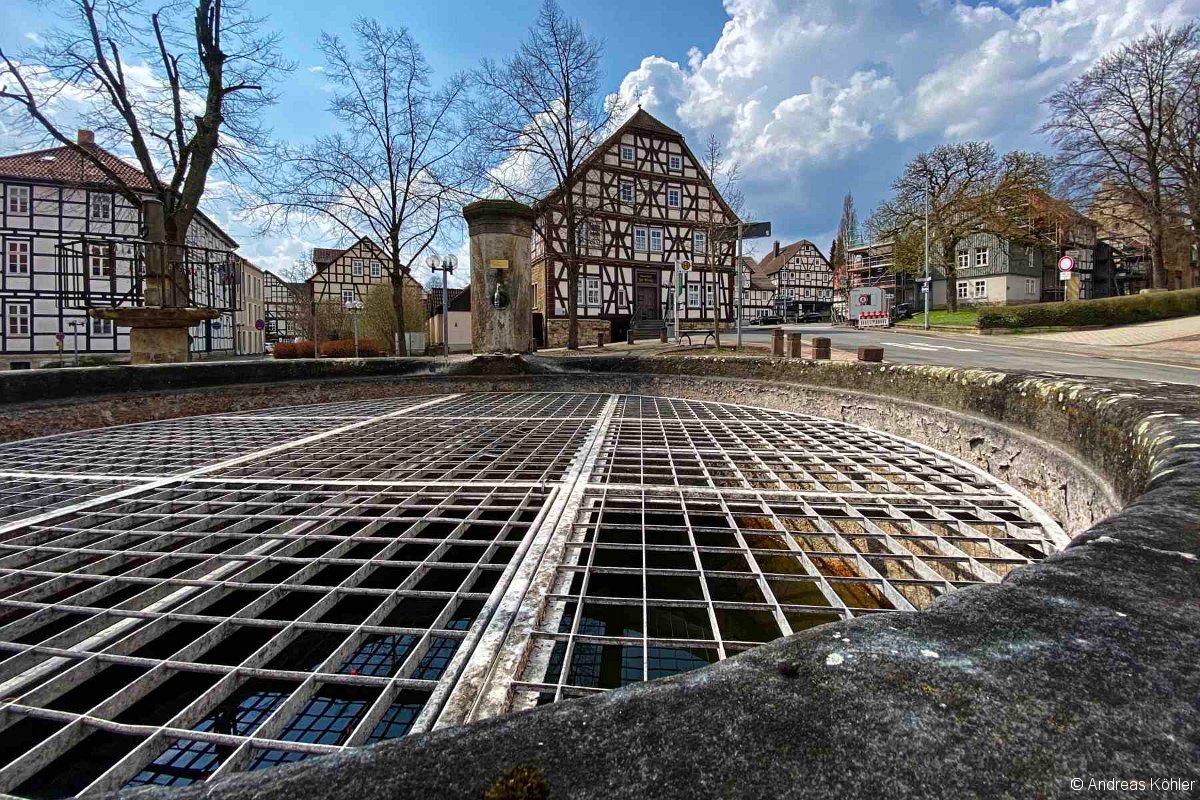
{"type": "Point", "coordinates": [802, 90]}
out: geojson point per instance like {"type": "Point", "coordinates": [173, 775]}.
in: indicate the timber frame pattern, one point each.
{"type": "Point", "coordinates": [645, 204]}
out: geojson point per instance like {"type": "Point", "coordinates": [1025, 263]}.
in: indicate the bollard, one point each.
{"type": "Point", "coordinates": [777, 343]}
{"type": "Point", "coordinates": [821, 347]}
{"type": "Point", "coordinates": [872, 354]}
{"type": "Point", "coordinates": [662, 336]}
{"type": "Point", "coordinates": [794, 350]}
{"type": "Point", "coordinates": [533, 344]}
{"type": "Point", "coordinates": [629, 335]}
{"type": "Point", "coordinates": [600, 340]}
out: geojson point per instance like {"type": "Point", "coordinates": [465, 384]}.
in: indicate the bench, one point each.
{"type": "Point", "coordinates": [708, 334]}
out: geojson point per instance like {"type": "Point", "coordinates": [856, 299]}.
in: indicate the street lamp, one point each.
{"type": "Point", "coordinates": [354, 306]}
{"type": "Point", "coordinates": [445, 264]}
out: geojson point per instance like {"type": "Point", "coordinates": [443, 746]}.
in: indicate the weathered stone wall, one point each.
{"type": "Point", "coordinates": [557, 330]}
{"type": "Point", "coordinates": [1081, 666]}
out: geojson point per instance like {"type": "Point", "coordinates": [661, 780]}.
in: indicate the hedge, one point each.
{"type": "Point", "coordinates": [1105, 311]}
{"type": "Point", "coordinates": [337, 348]}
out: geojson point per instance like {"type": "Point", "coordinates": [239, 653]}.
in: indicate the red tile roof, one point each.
{"type": "Point", "coordinates": [67, 165]}
{"type": "Point", "coordinates": [325, 255]}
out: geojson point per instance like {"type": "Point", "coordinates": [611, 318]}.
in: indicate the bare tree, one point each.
{"type": "Point", "coordinates": [539, 116]}
{"type": "Point", "coordinates": [971, 190]}
{"type": "Point", "coordinates": [1183, 144]}
{"type": "Point", "coordinates": [1111, 128]}
{"type": "Point", "coordinates": [393, 170]}
{"type": "Point", "coordinates": [725, 175]}
{"type": "Point", "coordinates": [199, 107]}
{"type": "Point", "coordinates": [847, 234]}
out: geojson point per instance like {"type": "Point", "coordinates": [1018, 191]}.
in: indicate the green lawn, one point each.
{"type": "Point", "coordinates": [963, 318]}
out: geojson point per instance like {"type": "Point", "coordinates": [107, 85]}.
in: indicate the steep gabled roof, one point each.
{"type": "Point", "coordinates": [67, 165]}
{"type": "Point", "coordinates": [323, 257]}
{"type": "Point", "coordinates": [772, 263]}
{"type": "Point", "coordinates": [644, 121]}
{"type": "Point", "coordinates": [460, 300]}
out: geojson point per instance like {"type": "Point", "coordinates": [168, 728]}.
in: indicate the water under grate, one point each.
{"type": "Point", "coordinates": [333, 576]}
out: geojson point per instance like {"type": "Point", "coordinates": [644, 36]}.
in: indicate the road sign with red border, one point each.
{"type": "Point", "coordinates": [1066, 264]}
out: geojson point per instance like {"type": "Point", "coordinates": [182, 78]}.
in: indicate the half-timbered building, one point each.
{"type": "Point", "coordinates": [758, 292]}
{"type": "Point", "coordinates": [801, 274]}
{"type": "Point", "coordinates": [645, 205]}
{"type": "Point", "coordinates": [287, 308]}
{"type": "Point", "coordinates": [55, 198]}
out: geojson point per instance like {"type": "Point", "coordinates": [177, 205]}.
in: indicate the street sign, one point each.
{"type": "Point", "coordinates": [685, 265]}
{"type": "Point", "coordinates": [866, 300]}
{"type": "Point", "coordinates": [1066, 264]}
{"type": "Point", "coordinates": [750, 230]}
{"type": "Point", "coordinates": [60, 336]}
{"type": "Point", "coordinates": [259, 324]}
{"type": "Point", "coordinates": [1065, 276]}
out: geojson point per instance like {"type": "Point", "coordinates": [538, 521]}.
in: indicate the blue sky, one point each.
{"type": "Point", "coordinates": [813, 97]}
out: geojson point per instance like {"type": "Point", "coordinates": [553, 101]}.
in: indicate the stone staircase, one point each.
{"type": "Point", "coordinates": [647, 328]}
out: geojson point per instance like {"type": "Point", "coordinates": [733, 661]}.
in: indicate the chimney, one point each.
{"type": "Point", "coordinates": [777, 249]}
{"type": "Point", "coordinates": [85, 137]}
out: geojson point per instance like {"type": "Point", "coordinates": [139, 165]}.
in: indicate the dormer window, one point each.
{"type": "Point", "coordinates": [627, 153]}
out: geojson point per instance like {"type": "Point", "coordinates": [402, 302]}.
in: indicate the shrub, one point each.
{"type": "Point", "coordinates": [344, 348]}
{"type": "Point", "coordinates": [1105, 311]}
{"type": "Point", "coordinates": [337, 348]}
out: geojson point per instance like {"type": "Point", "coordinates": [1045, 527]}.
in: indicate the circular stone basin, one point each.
{"type": "Point", "coordinates": [332, 576]}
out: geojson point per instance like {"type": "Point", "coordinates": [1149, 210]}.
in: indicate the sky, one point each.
{"type": "Point", "coordinates": [813, 98]}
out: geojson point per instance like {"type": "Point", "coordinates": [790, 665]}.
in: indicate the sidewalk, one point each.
{"type": "Point", "coordinates": [1127, 335]}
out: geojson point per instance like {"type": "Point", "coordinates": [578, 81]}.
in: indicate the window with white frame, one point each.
{"type": "Point", "coordinates": [102, 327]}
{"type": "Point", "coordinates": [348, 296]}
{"type": "Point", "coordinates": [699, 242]}
{"type": "Point", "coordinates": [99, 261]}
{"type": "Point", "coordinates": [356, 267]}
{"type": "Point", "coordinates": [622, 297]}
{"type": "Point", "coordinates": [589, 292]}
{"type": "Point", "coordinates": [708, 296]}
{"type": "Point", "coordinates": [656, 240]}
{"type": "Point", "coordinates": [675, 163]}
{"type": "Point", "coordinates": [979, 289]}
{"type": "Point", "coordinates": [16, 257]}
{"type": "Point", "coordinates": [627, 153]}
{"type": "Point", "coordinates": [639, 239]}
{"type": "Point", "coordinates": [18, 199]}
{"type": "Point", "coordinates": [18, 319]}
{"type": "Point", "coordinates": [376, 269]}
{"type": "Point", "coordinates": [673, 197]}
{"type": "Point", "coordinates": [962, 290]}
{"type": "Point", "coordinates": [964, 259]}
{"type": "Point", "coordinates": [981, 256]}
{"type": "Point", "coordinates": [693, 295]}
{"type": "Point", "coordinates": [100, 207]}
{"type": "Point", "coordinates": [626, 191]}
{"type": "Point", "coordinates": [1031, 286]}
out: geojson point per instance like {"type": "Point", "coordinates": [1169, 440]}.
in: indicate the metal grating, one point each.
{"type": "Point", "coordinates": [187, 599]}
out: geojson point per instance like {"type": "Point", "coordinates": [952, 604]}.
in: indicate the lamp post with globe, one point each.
{"type": "Point", "coordinates": [354, 307]}
{"type": "Point", "coordinates": [445, 264]}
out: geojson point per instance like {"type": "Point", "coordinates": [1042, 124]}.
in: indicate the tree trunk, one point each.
{"type": "Point", "coordinates": [572, 260]}
{"type": "Point", "coordinates": [1158, 265]}
{"type": "Point", "coordinates": [950, 268]}
{"type": "Point", "coordinates": [398, 305]}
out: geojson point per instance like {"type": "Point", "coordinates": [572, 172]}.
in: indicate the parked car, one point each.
{"type": "Point", "coordinates": [810, 316]}
{"type": "Point", "coordinates": [269, 348]}
{"type": "Point", "coordinates": [767, 319]}
{"type": "Point", "coordinates": [902, 311]}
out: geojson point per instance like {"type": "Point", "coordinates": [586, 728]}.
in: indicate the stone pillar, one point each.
{"type": "Point", "coordinates": [821, 346]}
{"type": "Point", "coordinates": [871, 354]}
{"type": "Point", "coordinates": [501, 294]}
{"type": "Point", "coordinates": [777, 342]}
{"type": "Point", "coordinates": [794, 345]}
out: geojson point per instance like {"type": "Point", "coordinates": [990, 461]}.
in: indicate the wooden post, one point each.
{"type": "Point", "coordinates": [629, 335]}
{"type": "Point", "coordinates": [794, 345]}
{"type": "Point", "coordinates": [600, 339]}
{"type": "Point", "coordinates": [777, 343]}
{"type": "Point", "coordinates": [662, 336]}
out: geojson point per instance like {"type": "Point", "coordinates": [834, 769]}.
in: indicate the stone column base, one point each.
{"type": "Point", "coordinates": [157, 335]}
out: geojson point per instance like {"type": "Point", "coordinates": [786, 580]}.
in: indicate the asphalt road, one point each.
{"type": "Point", "coordinates": [954, 350]}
